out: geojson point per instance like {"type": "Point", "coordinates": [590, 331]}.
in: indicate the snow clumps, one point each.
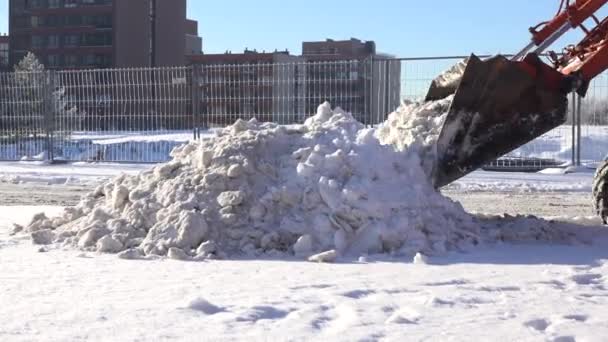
{"type": "Point", "coordinates": [321, 190]}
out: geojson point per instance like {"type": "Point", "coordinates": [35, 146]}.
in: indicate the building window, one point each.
{"type": "Point", "coordinates": [71, 60]}
{"type": "Point", "coordinates": [54, 3]}
{"type": "Point", "coordinates": [53, 41]}
{"type": "Point", "coordinates": [90, 60]}
{"type": "Point", "coordinates": [36, 21]}
{"type": "Point", "coordinates": [71, 40]}
{"type": "Point", "coordinates": [37, 4]}
{"type": "Point", "coordinates": [38, 42]}
{"type": "Point", "coordinates": [71, 3]}
{"type": "Point", "coordinates": [3, 55]}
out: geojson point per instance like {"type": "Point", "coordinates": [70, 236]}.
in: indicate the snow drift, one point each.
{"type": "Point", "coordinates": [324, 189]}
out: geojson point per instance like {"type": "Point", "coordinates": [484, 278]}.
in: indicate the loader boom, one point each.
{"type": "Point", "coordinates": [569, 15]}
{"type": "Point", "coordinates": [584, 61]}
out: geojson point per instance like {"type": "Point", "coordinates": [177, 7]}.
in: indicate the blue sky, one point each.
{"type": "Point", "coordinates": [400, 27]}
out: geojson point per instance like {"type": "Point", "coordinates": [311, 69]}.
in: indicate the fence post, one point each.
{"type": "Point", "coordinates": [578, 127]}
{"type": "Point", "coordinates": [573, 128]}
{"type": "Point", "coordinates": [369, 97]}
{"type": "Point", "coordinates": [203, 95]}
{"type": "Point", "coordinates": [195, 100]}
{"type": "Point", "coordinates": [49, 112]}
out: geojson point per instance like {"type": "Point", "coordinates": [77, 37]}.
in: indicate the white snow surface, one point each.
{"type": "Point", "coordinates": [504, 292]}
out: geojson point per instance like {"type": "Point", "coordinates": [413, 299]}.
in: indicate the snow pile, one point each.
{"type": "Point", "coordinates": [329, 186]}
{"type": "Point", "coordinates": [415, 127]}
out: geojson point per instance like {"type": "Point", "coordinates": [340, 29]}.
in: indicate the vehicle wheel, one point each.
{"type": "Point", "coordinates": [600, 191]}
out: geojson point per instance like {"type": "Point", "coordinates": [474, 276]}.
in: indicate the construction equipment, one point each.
{"type": "Point", "coordinates": [503, 103]}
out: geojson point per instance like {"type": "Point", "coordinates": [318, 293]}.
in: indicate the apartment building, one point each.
{"type": "Point", "coordinates": [354, 76]}
{"type": "Point", "coordinates": [264, 85]}
{"type": "Point", "coordinates": [4, 44]}
{"type": "Point", "coordinates": [72, 34]}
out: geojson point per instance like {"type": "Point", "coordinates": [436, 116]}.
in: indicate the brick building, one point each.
{"type": "Point", "coordinates": [4, 45]}
{"type": "Point", "coordinates": [100, 33]}
{"type": "Point", "coordinates": [251, 84]}
{"type": "Point", "coordinates": [353, 76]}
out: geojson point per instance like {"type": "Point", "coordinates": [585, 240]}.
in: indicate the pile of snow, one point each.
{"type": "Point", "coordinates": [321, 190]}
{"type": "Point", "coordinates": [415, 127]}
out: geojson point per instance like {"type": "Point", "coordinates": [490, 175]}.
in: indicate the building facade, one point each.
{"type": "Point", "coordinates": [4, 47]}
{"type": "Point", "coordinates": [72, 34]}
{"type": "Point", "coordinates": [353, 76]}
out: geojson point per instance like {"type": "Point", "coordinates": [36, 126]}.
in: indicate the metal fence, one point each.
{"type": "Point", "coordinates": [288, 93]}
{"type": "Point", "coordinates": [136, 115]}
{"type": "Point", "coordinates": [140, 115]}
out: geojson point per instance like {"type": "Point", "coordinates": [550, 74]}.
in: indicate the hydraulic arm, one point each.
{"type": "Point", "coordinates": [581, 62]}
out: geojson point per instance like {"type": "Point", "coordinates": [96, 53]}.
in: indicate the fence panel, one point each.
{"type": "Point", "coordinates": [140, 115]}
{"type": "Point", "coordinates": [24, 112]}
{"type": "Point", "coordinates": [594, 121]}
{"type": "Point", "coordinates": [121, 115]}
{"type": "Point", "coordinates": [288, 93]}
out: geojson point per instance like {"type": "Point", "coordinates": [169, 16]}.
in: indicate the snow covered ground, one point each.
{"type": "Point", "coordinates": [81, 173]}
{"type": "Point", "coordinates": [120, 146]}
{"type": "Point", "coordinates": [526, 292]}
{"type": "Point", "coordinates": [89, 173]}
{"type": "Point", "coordinates": [525, 182]}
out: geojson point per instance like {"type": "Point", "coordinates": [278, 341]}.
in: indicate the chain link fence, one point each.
{"type": "Point", "coordinates": [140, 115]}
